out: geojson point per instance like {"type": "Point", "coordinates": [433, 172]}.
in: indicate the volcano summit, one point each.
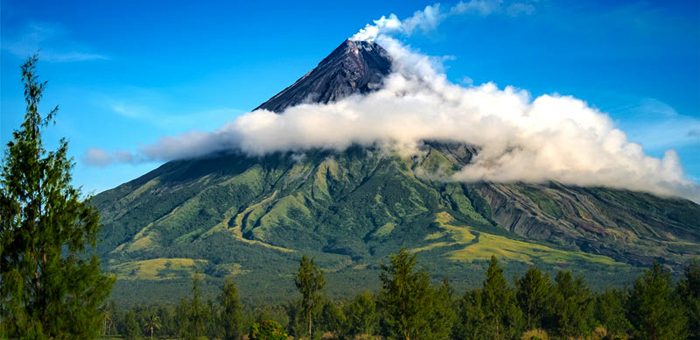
{"type": "Point", "coordinates": [353, 67]}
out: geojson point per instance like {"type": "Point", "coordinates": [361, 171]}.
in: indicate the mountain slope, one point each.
{"type": "Point", "coordinates": [335, 201]}
{"type": "Point", "coordinates": [253, 217]}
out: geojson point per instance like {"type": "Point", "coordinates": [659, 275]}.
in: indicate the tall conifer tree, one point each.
{"type": "Point", "coordinates": [310, 282]}
{"type": "Point", "coordinates": [231, 310]}
{"type": "Point", "coordinates": [51, 284]}
{"type": "Point", "coordinates": [654, 307]}
{"type": "Point", "coordinates": [361, 316]}
{"type": "Point", "coordinates": [572, 306]}
{"type": "Point", "coordinates": [533, 292]}
{"type": "Point", "coordinates": [405, 297]}
{"type": "Point", "coordinates": [502, 317]}
{"type": "Point", "coordinates": [689, 291]}
{"type": "Point", "coordinates": [610, 312]}
{"type": "Point", "coordinates": [470, 318]}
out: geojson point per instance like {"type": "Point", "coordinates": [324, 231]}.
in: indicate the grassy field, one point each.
{"type": "Point", "coordinates": [480, 246]}
{"type": "Point", "coordinates": [158, 269]}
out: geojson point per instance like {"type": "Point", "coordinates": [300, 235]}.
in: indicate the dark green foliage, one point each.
{"type": "Point", "coordinates": [404, 297]}
{"type": "Point", "coordinates": [470, 317]}
{"type": "Point", "coordinates": [231, 311]}
{"type": "Point", "coordinates": [51, 282]}
{"type": "Point", "coordinates": [654, 307]}
{"type": "Point", "coordinates": [442, 312]}
{"type": "Point", "coordinates": [572, 306]}
{"type": "Point", "coordinates": [168, 320]}
{"type": "Point", "coordinates": [533, 292]}
{"type": "Point", "coordinates": [278, 313]}
{"type": "Point", "coordinates": [689, 291]}
{"type": "Point", "coordinates": [193, 314]}
{"type": "Point", "coordinates": [132, 326]}
{"type": "Point", "coordinates": [361, 316]}
{"type": "Point", "coordinates": [411, 308]}
{"type": "Point", "coordinates": [267, 330]}
{"type": "Point", "coordinates": [569, 311]}
{"type": "Point", "coordinates": [332, 318]}
{"type": "Point", "coordinates": [310, 282]}
{"type": "Point", "coordinates": [610, 312]}
{"type": "Point", "coordinates": [152, 323]}
{"type": "Point", "coordinates": [502, 318]}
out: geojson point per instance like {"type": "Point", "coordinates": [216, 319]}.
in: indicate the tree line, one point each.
{"type": "Point", "coordinates": [409, 306]}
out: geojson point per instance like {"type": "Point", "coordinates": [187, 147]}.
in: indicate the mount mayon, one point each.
{"type": "Point", "coordinates": [254, 217]}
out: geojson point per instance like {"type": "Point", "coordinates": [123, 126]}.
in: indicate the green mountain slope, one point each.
{"type": "Point", "coordinates": [254, 217]}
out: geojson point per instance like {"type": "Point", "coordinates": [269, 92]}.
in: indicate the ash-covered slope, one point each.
{"type": "Point", "coordinates": [253, 217]}
{"type": "Point", "coordinates": [353, 67]}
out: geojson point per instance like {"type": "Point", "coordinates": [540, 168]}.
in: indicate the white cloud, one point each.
{"type": "Point", "coordinates": [97, 157]}
{"type": "Point", "coordinates": [430, 17]}
{"type": "Point", "coordinates": [521, 138]}
{"type": "Point", "coordinates": [50, 42]}
{"type": "Point", "coordinates": [482, 7]}
{"type": "Point", "coordinates": [101, 158]}
{"type": "Point", "coordinates": [382, 25]}
{"type": "Point", "coordinates": [520, 9]}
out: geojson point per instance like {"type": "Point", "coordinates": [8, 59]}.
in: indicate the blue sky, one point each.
{"type": "Point", "coordinates": [129, 72]}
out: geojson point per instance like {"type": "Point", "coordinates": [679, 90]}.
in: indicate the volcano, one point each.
{"type": "Point", "coordinates": [254, 217]}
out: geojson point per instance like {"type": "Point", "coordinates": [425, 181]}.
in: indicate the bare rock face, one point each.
{"type": "Point", "coordinates": [353, 67]}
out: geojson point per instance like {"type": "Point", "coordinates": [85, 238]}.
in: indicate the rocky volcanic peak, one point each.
{"type": "Point", "coordinates": [353, 67]}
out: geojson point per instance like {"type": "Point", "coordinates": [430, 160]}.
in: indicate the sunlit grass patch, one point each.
{"type": "Point", "coordinates": [384, 230]}
{"type": "Point", "coordinates": [481, 246]}
{"type": "Point", "coordinates": [157, 269]}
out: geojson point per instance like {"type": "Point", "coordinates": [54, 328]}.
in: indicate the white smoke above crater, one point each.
{"type": "Point", "coordinates": [548, 138]}
{"type": "Point", "coordinates": [431, 16]}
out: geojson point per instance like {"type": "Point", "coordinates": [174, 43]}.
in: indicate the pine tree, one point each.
{"type": "Point", "coordinates": [193, 316]}
{"type": "Point", "coordinates": [572, 306]}
{"type": "Point", "coordinates": [231, 314]}
{"type": "Point", "coordinates": [198, 310]}
{"type": "Point", "coordinates": [310, 282]}
{"type": "Point", "coordinates": [533, 292]}
{"type": "Point", "coordinates": [212, 329]}
{"type": "Point", "coordinates": [441, 316]}
{"type": "Point", "coordinates": [332, 318]}
{"type": "Point", "coordinates": [182, 321]}
{"type": "Point", "coordinates": [470, 317]}
{"type": "Point", "coordinates": [502, 317]}
{"type": "Point", "coordinates": [689, 291]}
{"type": "Point", "coordinates": [653, 306]}
{"type": "Point", "coordinates": [361, 316]}
{"type": "Point", "coordinates": [610, 312]}
{"type": "Point", "coordinates": [52, 284]}
{"type": "Point", "coordinates": [404, 297]}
